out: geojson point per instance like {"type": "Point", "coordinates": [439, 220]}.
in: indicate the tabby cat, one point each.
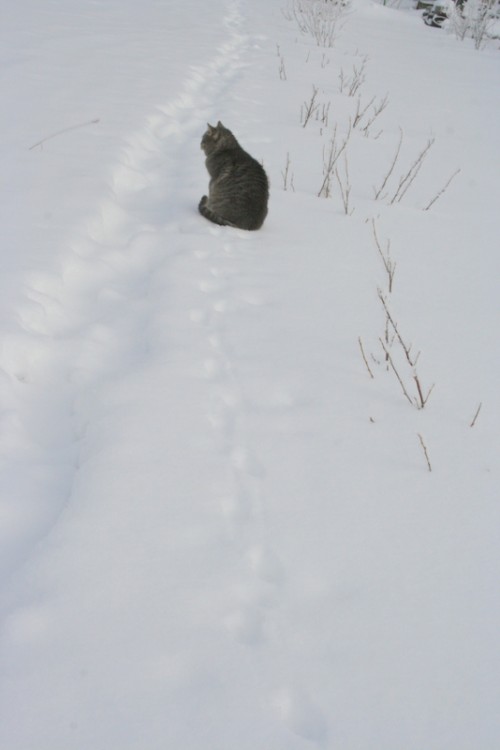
{"type": "Point", "coordinates": [239, 190]}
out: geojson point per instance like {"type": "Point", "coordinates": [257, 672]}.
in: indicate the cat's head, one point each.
{"type": "Point", "coordinates": [216, 138]}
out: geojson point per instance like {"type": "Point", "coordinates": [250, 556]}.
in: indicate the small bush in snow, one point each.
{"type": "Point", "coordinates": [322, 19]}
{"type": "Point", "coordinates": [474, 18]}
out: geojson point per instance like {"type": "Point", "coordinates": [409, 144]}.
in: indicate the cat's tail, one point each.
{"type": "Point", "coordinates": [211, 215]}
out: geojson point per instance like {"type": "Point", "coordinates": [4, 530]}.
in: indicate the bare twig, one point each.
{"type": "Point", "coordinates": [443, 190]}
{"type": "Point", "coordinates": [422, 400]}
{"type": "Point", "coordinates": [64, 130]}
{"type": "Point", "coordinates": [476, 415]}
{"type": "Point", "coordinates": [364, 358]}
{"type": "Point", "coordinates": [357, 78]}
{"type": "Point", "coordinates": [378, 191]}
{"type": "Point", "coordinates": [330, 158]}
{"type": "Point", "coordinates": [325, 112]}
{"type": "Point", "coordinates": [282, 70]}
{"type": "Point", "coordinates": [406, 180]}
{"type": "Point", "coordinates": [394, 369]}
{"type": "Point", "coordinates": [351, 84]}
{"type": "Point", "coordinates": [389, 264]}
{"type": "Point", "coordinates": [412, 360]}
{"type": "Point", "coordinates": [405, 347]}
{"type": "Point", "coordinates": [287, 178]}
{"type": "Point", "coordinates": [342, 80]}
{"type": "Point", "coordinates": [424, 448]}
{"type": "Point", "coordinates": [345, 187]}
{"type": "Point", "coordinates": [377, 111]}
{"type": "Point", "coordinates": [360, 113]}
{"type": "Point", "coordinates": [309, 108]}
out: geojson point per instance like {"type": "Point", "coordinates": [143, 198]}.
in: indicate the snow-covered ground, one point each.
{"type": "Point", "coordinates": [217, 528]}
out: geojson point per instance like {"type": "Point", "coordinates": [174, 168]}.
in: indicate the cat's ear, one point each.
{"type": "Point", "coordinates": [213, 132]}
{"type": "Point", "coordinates": [220, 125]}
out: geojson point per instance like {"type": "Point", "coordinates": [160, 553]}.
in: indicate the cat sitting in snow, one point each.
{"type": "Point", "coordinates": [239, 189]}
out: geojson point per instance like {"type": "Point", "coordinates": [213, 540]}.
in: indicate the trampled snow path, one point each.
{"type": "Point", "coordinates": [139, 301]}
{"type": "Point", "coordinates": [95, 304]}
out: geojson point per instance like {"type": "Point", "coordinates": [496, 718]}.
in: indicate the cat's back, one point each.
{"type": "Point", "coordinates": [236, 163]}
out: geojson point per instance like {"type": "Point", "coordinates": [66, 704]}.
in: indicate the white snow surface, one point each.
{"type": "Point", "coordinates": [217, 530]}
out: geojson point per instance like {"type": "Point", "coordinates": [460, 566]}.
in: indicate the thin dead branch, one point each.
{"type": "Point", "coordinates": [411, 360]}
{"type": "Point", "coordinates": [377, 111]}
{"type": "Point", "coordinates": [64, 130]}
{"type": "Point", "coordinates": [364, 358]}
{"type": "Point", "coordinates": [424, 448]}
{"type": "Point", "coordinates": [405, 347]}
{"type": "Point", "coordinates": [389, 264]}
{"type": "Point", "coordinates": [360, 113]}
{"type": "Point", "coordinates": [422, 400]}
{"type": "Point", "coordinates": [287, 175]}
{"type": "Point", "coordinates": [395, 371]}
{"type": "Point", "coordinates": [309, 108]}
{"type": "Point", "coordinates": [345, 187]}
{"type": "Point", "coordinates": [378, 191]}
{"type": "Point", "coordinates": [474, 419]}
{"type": "Point", "coordinates": [407, 180]}
{"type": "Point", "coordinates": [330, 157]}
{"type": "Point", "coordinates": [443, 190]}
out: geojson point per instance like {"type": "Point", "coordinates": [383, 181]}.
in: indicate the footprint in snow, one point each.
{"type": "Point", "coordinates": [265, 564]}
{"type": "Point", "coordinates": [243, 460]}
{"type": "Point", "coordinates": [247, 626]}
{"type": "Point", "coordinates": [210, 286]}
{"type": "Point", "coordinates": [211, 368]}
{"type": "Point", "coordinates": [301, 715]}
{"type": "Point", "coordinates": [198, 315]}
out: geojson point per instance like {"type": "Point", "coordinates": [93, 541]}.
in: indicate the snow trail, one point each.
{"type": "Point", "coordinates": [86, 320]}
{"type": "Point", "coordinates": [140, 299]}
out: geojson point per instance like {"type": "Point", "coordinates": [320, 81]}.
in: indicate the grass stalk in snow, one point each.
{"type": "Point", "coordinates": [443, 190]}
{"type": "Point", "coordinates": [378, 191]}
{"type": "Point", "coordinates": [325, 113]}
{"type": "Point", "coordinates": [330, 158]}
{"type": "Point", "coordinates": [377, 111]}
{"type": "Point", "coordinates": [360, 342]}
{"type": "Point", "coordinates": [407, 179]}
{"type": "Point", "coordinates": [389, 264]}
{"type": "Point", "coordinates": [474, 419]}
{"type": "Point", "coordinates": [309, 108]}
{"type": "Point", "coordinates": [422, 397]}
{"type": "Point", "coordinates": [360, 113]}
{"type": "Point", "coordinates": [287, 176]}
{"type": "Point", "coordinates": [344, 183]}
{"type": "Point", "coordinates": [353, 83]}
{"type": "Point", "coordinates": [281, 68]}
{"type": "Point", "coordinates": [64, 130]}
{"type": "Point", "coordinates": [314, 109]}
{"type": "Point", "coordinates": [426, 453]}
{"type": "Point", "coordinates": [390, 362]}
